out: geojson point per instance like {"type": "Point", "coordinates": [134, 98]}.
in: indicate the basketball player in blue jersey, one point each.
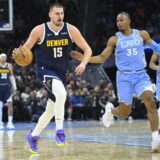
{"type": "Point", "coordinates": [131, 75]}
{"type": "Point", "coordinates": [53, 41]}
{"type": "Point", "coordinates": [153, 65]}
{"type": "Point", "coordinates": [7, 86]}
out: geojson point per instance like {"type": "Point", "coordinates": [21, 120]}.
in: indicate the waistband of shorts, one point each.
{"type": "Point", "coordinates": [132, 71]}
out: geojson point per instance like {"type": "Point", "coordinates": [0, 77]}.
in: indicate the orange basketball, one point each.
{"type": "Point", "coordinates": [23, 56]}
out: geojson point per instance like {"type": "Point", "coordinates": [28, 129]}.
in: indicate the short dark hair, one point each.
{"type": "Point", "coordinates": [56, 4]}
{"type": "Point", "coordinates": [126, 14]}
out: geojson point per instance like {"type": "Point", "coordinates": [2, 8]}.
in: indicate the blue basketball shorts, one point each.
{"type": "Point", "coordinates": [131, 84]}
{"type": "Point", "coordinates": [5, 93]}
{"type": "Point", "coordinates": [45, 76]}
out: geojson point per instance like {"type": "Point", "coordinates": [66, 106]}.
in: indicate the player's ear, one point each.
{"type": "Point", "coordinates": [49, 14]}
{"type": "Point", "coordinates": [129, 21]}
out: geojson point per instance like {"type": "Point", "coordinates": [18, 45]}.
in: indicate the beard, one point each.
{"type": "Point", "coordinates": [58, 23]}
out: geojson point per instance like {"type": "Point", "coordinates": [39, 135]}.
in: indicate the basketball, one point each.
{"type": "Point", "coordinates": [23, 56]}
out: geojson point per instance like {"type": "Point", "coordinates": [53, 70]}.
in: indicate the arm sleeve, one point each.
{"type": "Point", "coordinates": [155, 46]}
{"type": "Point", "coordinates": [13, 82]}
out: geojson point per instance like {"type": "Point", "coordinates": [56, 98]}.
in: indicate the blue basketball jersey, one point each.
{"type": "Point", "coordinates": [130, 52]}
{"type": "Point", "coordinates": [4, 74]}
{"type": "Point", "coordinates": [53, 52]}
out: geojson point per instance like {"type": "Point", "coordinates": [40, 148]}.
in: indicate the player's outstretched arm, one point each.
{"type": "Point", "coordinates": [151, 43]}
{"type": "Point", "coordinates": [100, 58]}
{"type": "Point", "coordinates": [106, 52]}
{"type": "Point", "coordinates": [76, 55]}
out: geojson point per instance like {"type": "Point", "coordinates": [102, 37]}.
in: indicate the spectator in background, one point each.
{"type": "Point", "coordinates": [21, 113]}
{"type": "Point", "coordinates": [78, 103]}
{"type": "Point", "coordinates": [101, 86]}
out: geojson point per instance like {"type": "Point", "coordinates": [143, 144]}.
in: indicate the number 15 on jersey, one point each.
{"type": "Point", "coordinates": [57, 52]}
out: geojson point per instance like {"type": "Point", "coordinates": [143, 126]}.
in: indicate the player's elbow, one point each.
{"type": "Point", "coordinates": [151, 65]}
{"type": "Point", "coordinates": [102, 58]}
{"type": "Point", "coordinates": [88, 51]}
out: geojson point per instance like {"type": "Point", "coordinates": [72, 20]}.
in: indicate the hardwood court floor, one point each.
{"type": "Point", "coordinates": [88, 140]}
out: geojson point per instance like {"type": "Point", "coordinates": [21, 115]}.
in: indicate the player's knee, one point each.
{"type": "Point", "coordinates": [149, 98]}
{"type": "Point", "coordinates": [58, 90]}
{"type": "Point", "coordinates": [150, 103]}
{"type": "Point", "coordinates": [61, 95]}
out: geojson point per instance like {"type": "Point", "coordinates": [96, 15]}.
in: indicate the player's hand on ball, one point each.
{"type": "Point", "coordinates": [80, 69]}
{"type": "Point", "coordinates": [15, 52]}
{"type": "Point", "coordinates": [22, 56]}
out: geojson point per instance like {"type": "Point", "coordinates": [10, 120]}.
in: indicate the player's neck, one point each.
{"type": "Point", "coordinates": [55, 27]}
{"type": "Point", "coordinates": [127, 32]}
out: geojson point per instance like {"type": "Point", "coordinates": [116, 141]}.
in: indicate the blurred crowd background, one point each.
{"type": "Point", "coordinates": [87, 94]}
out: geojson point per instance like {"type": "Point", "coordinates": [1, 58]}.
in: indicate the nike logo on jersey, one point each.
{"type": "Point", "coordinates": [49, 34]}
